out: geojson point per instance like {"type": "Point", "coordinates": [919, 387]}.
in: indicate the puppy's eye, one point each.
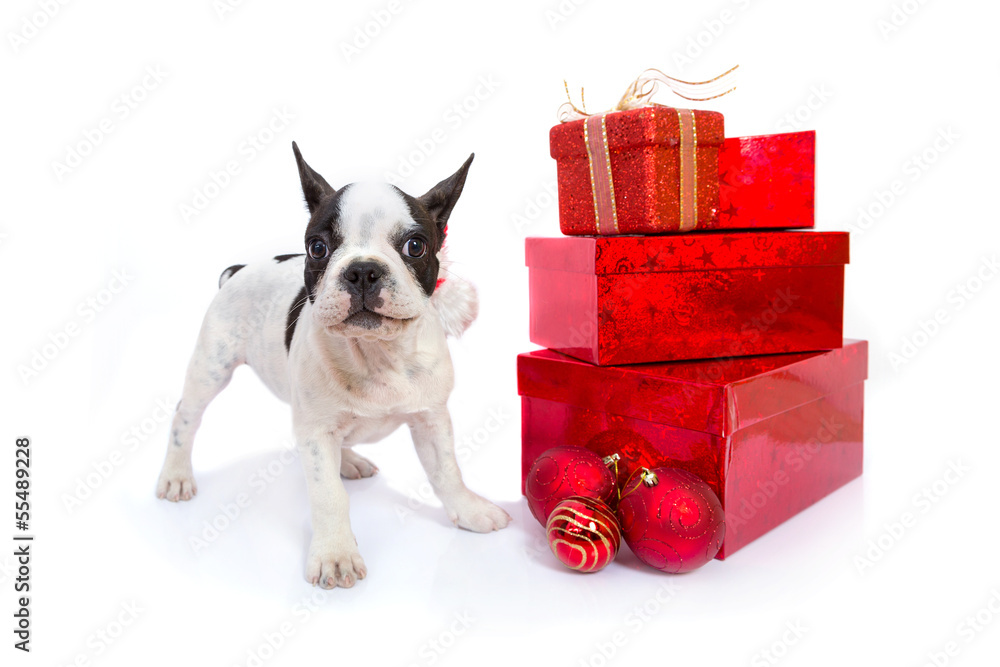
{"type": "Point", "coordinates": [318, 249]}
{"type": "Point", "coordinates": [415, 248]}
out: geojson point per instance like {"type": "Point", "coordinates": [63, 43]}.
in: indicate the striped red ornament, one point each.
{"type": "Point", "coordinates": [583, 534]}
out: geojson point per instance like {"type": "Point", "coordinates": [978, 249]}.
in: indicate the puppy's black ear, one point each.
{"type": "Point", "coordinates": [314, 187]}
{"type": "Point", "coordinates": [440, 199]}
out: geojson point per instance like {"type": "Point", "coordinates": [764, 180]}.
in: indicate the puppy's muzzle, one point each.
{"type": "Point", "coordinates": [363, 281]}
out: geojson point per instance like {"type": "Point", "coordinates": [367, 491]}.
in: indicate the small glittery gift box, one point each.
{"type": "Point", "coordinates": [649, 170]}
{"type": "Point", "coordinates": [658, 169]}
{"type": "Point", "coordinates": [770, 434]}
{"type": "Point", "coordinates": [612, 300]}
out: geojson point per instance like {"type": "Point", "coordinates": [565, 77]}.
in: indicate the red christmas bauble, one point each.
{"type": "Point", "coordinates": [671, 519]}
{"type": "Point", "coordinates": [562, 472]}
{"type": "Point", "coordinates": [583, 534]}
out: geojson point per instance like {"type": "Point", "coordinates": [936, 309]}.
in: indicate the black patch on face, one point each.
{"type": "Point", "coordinates": [424, 269]}
{"type": "Point", "coordinates": [229, 273]}
{"type": "Point", "coordinates": [284, 258]}
{"type": "Point", "coordinates": [325, 225]}
{"type": "Point", "coordinates": [293, 317]}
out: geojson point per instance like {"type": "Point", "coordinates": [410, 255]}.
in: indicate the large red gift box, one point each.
{"type": "Point", "coordinates": [658, 169]}
{"type": "Point", "coordinates": [770, 434]}
{"type": "Point", "coordinates": [627, 299]}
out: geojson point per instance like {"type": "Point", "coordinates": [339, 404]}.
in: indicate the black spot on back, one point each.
{"type": "Point", "coordinates": [229, 273]}
{"type": "Point", "coordinates": [293, 317]}
{"type": "Point", "coordinates": [284, 258]}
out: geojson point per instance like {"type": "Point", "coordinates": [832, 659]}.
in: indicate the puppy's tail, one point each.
{"type": "Point", "coordinates": [457, 304]}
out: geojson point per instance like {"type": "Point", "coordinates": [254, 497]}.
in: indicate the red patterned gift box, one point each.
{"type": "Point", "coordinates": [627, 299]}
{"type": "Point", "coordinates": [768, 181]}
{"type": "Point", "coordinates": [770, 434]}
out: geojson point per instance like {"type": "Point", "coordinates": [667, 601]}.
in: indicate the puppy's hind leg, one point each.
{"type": "Point", "coordinates": [216, 355]}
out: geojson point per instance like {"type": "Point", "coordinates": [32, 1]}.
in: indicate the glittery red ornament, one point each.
{"type": "Point", "coordinates": [562, 472]}
{"type": "Point", "coordinates": [671, 519]}
{"type": "Point", "coordinates": [583, 534]}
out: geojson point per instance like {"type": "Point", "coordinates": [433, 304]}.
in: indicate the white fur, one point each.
{"type": "Point", "coordinates": [345, 386]}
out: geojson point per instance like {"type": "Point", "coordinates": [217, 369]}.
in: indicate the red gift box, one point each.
{"type": "Point", "coordinates": [627, 299]}
{"type": "Point", "coordinates": [770, 434]}
{"type": "Point", "coordinates": [643, 171]}
{"type": "Point", "coordinates": [767, 181]}
{"type": "Point", "coordinates": [658, 169]}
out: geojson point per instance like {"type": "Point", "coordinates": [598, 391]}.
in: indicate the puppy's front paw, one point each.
{"type": "Point", "coordinates": [355, 466]}
{"type": "Point", "coordinates": [331, 564]}
{"type": "Point", "coordinates": [477, 514]}
{"type": "Point", "coordinates": [176, 482]}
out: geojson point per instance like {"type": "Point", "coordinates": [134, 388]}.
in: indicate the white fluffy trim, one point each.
{"type": "Point", "coordinates": [457, 304]}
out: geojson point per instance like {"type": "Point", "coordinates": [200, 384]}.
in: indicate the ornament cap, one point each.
{"type": "Point", "coordinates": [613, 458]}
{"type": "Point", "coordinates": [649, 477]}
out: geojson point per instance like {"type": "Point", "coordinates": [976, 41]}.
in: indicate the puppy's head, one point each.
{"type": "Point", "coordinates": [372, 251]}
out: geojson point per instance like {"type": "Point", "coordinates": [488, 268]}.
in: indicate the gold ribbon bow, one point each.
{"type": "Point", "coordinates": [646, 85]}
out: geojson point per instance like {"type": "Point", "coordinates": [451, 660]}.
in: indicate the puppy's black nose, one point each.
{"type": "Point", "coordinates": [364, 275]}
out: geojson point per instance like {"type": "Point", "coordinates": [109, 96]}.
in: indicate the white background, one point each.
{"type": "Point", "coordinates": [500, 598]}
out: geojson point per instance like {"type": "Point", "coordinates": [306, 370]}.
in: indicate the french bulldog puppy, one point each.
{"type": "Point", "coordinates": [356, 344]}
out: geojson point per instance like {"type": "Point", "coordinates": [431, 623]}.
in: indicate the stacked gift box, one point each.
{"type": "Point", "coordinates": [691, 318]}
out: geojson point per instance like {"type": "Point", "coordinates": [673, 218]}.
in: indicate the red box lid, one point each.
{"type": "Point", "coordinates": [635, 128]}
{"type": "Point", "coordinates": [603, 255]}
{"type": "Point", "coordinates": [716, 396]}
